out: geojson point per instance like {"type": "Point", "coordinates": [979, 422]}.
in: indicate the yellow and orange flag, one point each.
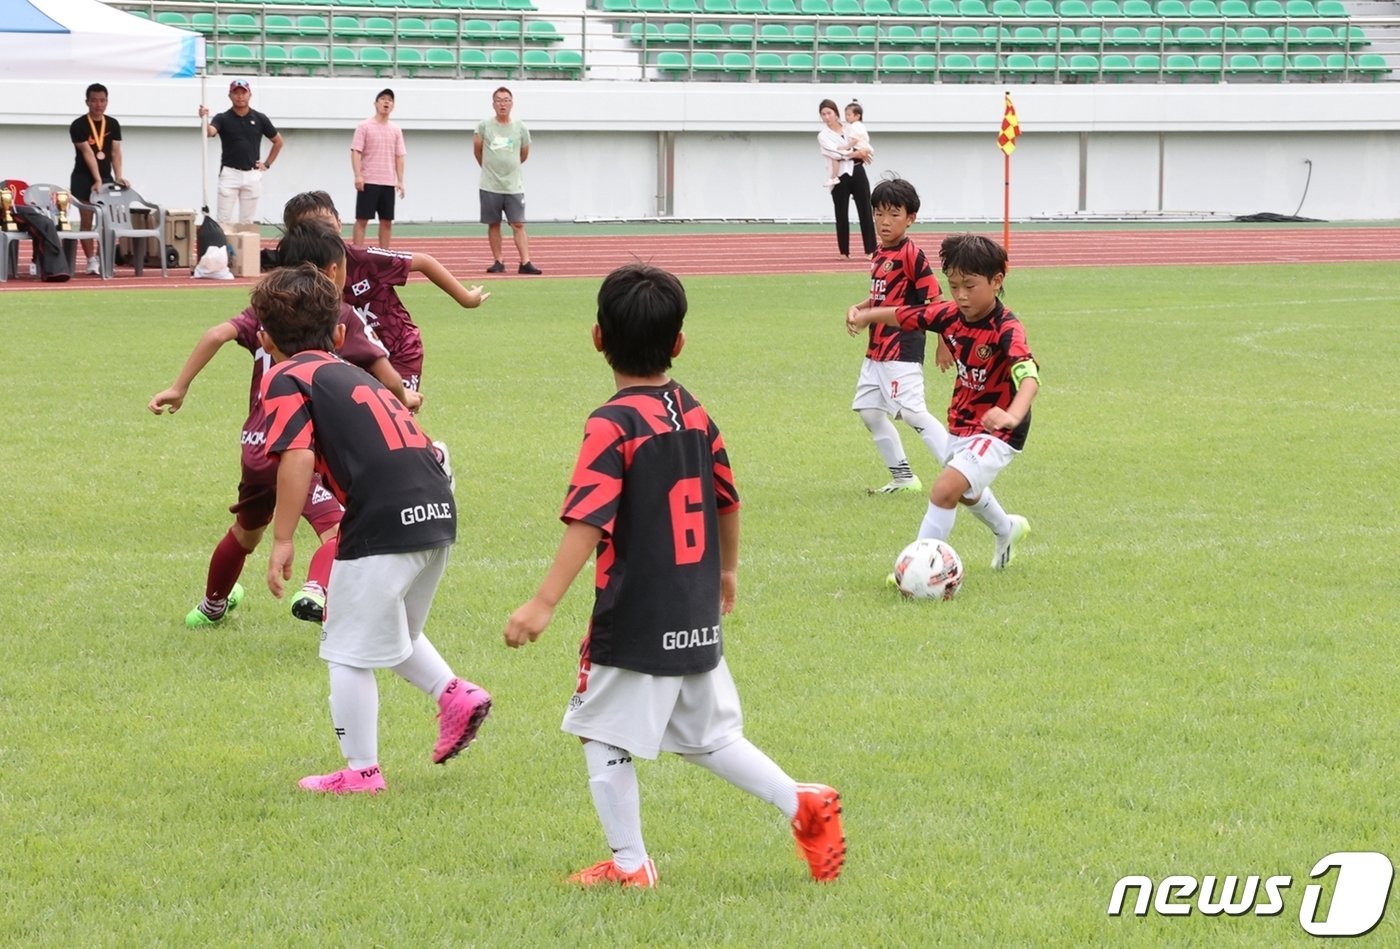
{"type": "Point", "coordinates": [1010, 128]}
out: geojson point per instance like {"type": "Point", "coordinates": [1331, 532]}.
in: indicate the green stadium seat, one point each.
{"type": "Point", "coordinates": [1073, 8]}
{"type": "Point", "coordinates": [1023, 37]}
{"type": "Point", "coordinates": [311, 58]}
{"type": "Point", "coordinates": [895, 64]}
{"type": "Point", "coordinates": [274, 57]}
{"type": "Point", "coordinates": [706, 62]}
{"type": "Point", "coordinates": [804, 33]}
{"type": "Point", "coordinates": [751, 7]}
{"type": "Point", "coordinates": [1242, 64]}
{"type": "Point", "coordinates": [867, 34]}
{"type": "Point", "coordinates": [1320, 36]}
{"type": "Point", "coordinates": [376, 58]}
{"type": "Point", "coordinates": [473, 61]}
{"type": "Point", "coordinates": [1256, 36]}
{"type": "Point", "coordinates": [1289, 37]}
{"type": "Point", "coordinates": [488, 4]}
{"type": "Point", "coordinates": [455, 4]}
{"type": "Point", "coordinates": [378, 28]}
{"type": "Point", "coordinates": [973, 8]}
{"type": "Point", "coordinates": [508, 31]}
{"type": "Point", "coordinates": [481, 31]}
{"type": "Point", "coordinates": [1115, 66]}
{"type": "Point", "coordinates": [1372, 66]}
{"type": "Point", "coordinates": [1211, 65]}
{"type": "Point", "coordinates": [1007, 8]}
{"type": "Point", "coordinates": [782, 8]}
{"type": "Point", "coordinates": [902, 35]}
{"type": "Point", "coordinates": [839, 34]}
{"type": "Point", "coordinates": [1171, 8]}
{"type": "Point", "coordinates": [525, 5]}
{"type": "Point", "coordinates": [1140, 8]}
{"type": "Point", "coordinates": [173, 18]}
{"type": "Point", "coordinates": [1120, 36]}
{"type": "Point", "coordinates": [241, 24]}
{"type": "Point", "coordinates": [440, 60]}
{"type": "Point", "coordinates": [444, 30]}
{"type": "Point", "coordinates": [1235, 9]}
{"type": "Point", "coordinates": [833, 64]}
{"type": "Point", "coordinates": [1202, 8]}
{"type": "Point", "coordinates": [741, 34]}
{"type": "Point", "coordinates": [239, 54]}
{"type": "Point", "coordinates": [1039, 9]}
{"type": "Point", "coordinates": [737, 63]}
{"type": "Point", "coordinates": [1307, 65]}
{"type": "Point", "coordinates": [1192, 36]}
{"type": "Point", "coordinates": [1148, 64]}
{"type": "Point", "coordinates": [202, 23]}
{"type": "Point", "coordinates": [1271, 65]}
{"type": "Point", "coordinates": [1051, 65]}
{"type": "Point", "coordinates": [942, 8]}
{"type": "Point", "coordinates": [675, 33]}
{"type": "Point", "coordinates": [1020, 65]}
{"type": "Point", "coordinates": [957, 65]}
{"type": "Point", "coordinates": [343, 57]}
{"type": "Point", "coordinates": [1159, 36]}
{"type": "Point", "coordinates": [964, 36]}
{"type": "Point", "coordinates": [505, 60]}
{"type": "Point", "coordinates": [421, 4]}
{"type": "Point", "coordinates": [1180, 65]}
{"type": "Point", "coordinates": [645, 34]}
{"type": "Point", "coordinates": [815, 7]}
{"type": "Point", "coordinates": [769, 64]}
{"type": "Point", "coordinates": [1299, 8]}
{"type": "Point", "coordinates": [877, 8]}
{"type": "Point", "coordinates": [569, 61]}
{"type": "Point", "coordinates": [709, 33]}
{"type": "Point", "coordinates": [386, 3]}
{"type": "Point", "coordinates": [346, 26]}
{"type": "Point", "coordinates": [717, 6]}
{"type": "Point", "coordinates": [846, 7]}
{"type": "Point", "coordinates": [863, 67]}
{"type": "Point", "coordinates": [537, 60]}
{"type": "Point", "coordinates": [618, 6]}
{"type": "Point", "coordinates": [1090, 37]}
{"type": "Point", "coordinates": [408, 60]}
{"type": "Point", "coordinates": [413, 28]}
{"type": "Point", "coordinates": [651, 6]}
{"type": "Point", "coordinates": [774, 34]}
{"type": "Point", "coordinates": [1223, 37]}
{"type": "Point", "coordinates": [911, 8]}
{"type": "Point", "coordinates": [1083, 65]}
{"type": "Point", "coordinates": [276, 24]}
{"type": "Point", "coordinates": [1268, 8]}
{"type": "Point", "coordinates": [1105, 8]}
{"type": "Point", "coordinates": [672, 63]}
{"type": "Point", "coordinates": [312, 25]}
{"type": "Point", "coordinates": [800, 63]}
{"type": "Point", "coordinates": [140, 14]}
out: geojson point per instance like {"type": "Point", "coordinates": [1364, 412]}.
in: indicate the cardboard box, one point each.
{"type": "Point", "coordinates": [245, 253]}
{"type": "Point", "coordinates": [179, 234]}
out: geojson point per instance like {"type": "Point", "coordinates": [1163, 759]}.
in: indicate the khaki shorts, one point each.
{"type": "Point", "coordinates": [647, 714]}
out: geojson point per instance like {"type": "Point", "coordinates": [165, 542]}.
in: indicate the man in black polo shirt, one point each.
{"type": "Point", "coordinates": [240, 130]}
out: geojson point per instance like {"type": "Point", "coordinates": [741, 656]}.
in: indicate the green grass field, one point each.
{"type": "Point", "coordinates": [1189, 669]}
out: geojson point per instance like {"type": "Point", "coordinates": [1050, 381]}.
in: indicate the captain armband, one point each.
{"type": "Point", "coordinates": [1026, 369]}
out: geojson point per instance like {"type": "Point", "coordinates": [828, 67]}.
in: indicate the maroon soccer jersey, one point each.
{"type": "Point", "coordinates": [360, 348]}
{"type": "Point", "coordinates": [653, 475]}
{"type": "Point", "coordinates": [371, 274]}
{"type": "Point", "coordinates": [369, 450]}
{"type": "Point", "coordinates": [985, 351]}
{"type": "Point", "coordinates": [900, 276]}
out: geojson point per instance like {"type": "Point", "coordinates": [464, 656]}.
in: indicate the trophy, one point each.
{"type": "Point", "coordinates": [60, 198]}
{"type": "Point", "coordinates": [7, 204]}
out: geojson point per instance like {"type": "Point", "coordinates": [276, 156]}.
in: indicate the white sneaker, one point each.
{"type": "Point", "coordinates": [94, 265]}
{"type": "Point", "coordinates": [33, 270]}
{"type": "Point", "coordinates": [1006, 549]}
{"type": "Point", "coordinates": [445, 460]}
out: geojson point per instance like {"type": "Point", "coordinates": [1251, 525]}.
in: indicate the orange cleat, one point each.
{"type": "Point", "coordinates": [817, 828]}
{"type": "Point", "coordinates": [644, 877]}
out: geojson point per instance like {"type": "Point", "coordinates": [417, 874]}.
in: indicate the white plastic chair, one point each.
{"type": "Point", "coordinates": [117, 204]}
{"type": "Point", "coordinates": [42, 196]}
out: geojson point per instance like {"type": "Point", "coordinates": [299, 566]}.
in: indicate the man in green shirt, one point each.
{"type": "Point", "coordinates": [501, 145]}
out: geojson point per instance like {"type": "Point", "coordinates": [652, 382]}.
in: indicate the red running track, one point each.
{"type": "Point", "coordinates": [798, 253]}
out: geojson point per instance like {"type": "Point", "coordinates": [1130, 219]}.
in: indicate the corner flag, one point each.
{"type": "Point", "coordinates": [1010, 128]}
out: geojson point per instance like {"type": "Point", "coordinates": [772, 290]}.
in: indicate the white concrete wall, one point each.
{"type": "Point", "coordinates": [748, 150]}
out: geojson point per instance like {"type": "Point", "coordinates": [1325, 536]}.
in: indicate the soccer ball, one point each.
{"type": "Point", "coordinates": [928, 569]}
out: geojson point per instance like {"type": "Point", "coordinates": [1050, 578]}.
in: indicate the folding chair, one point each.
{"type": "Point", "coordinates": [42, 196]}
{"type": "Point", "coordinates": [117, 204]}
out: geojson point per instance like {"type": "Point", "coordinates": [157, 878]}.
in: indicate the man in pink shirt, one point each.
{"type": "Point", "coordinates": [376, 155]}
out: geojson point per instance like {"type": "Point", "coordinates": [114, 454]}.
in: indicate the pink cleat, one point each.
{"type": "Point", "coordinates": [463, 708]}
{"type": "Point", "coordinates": [348, 781]}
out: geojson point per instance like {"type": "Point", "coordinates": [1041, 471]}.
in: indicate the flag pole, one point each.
{"type": "Point", "coordinates": [1006, 205]}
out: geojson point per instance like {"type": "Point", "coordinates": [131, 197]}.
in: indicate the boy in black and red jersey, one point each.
{"type": "Point", "coordinates": [330, 418]}
{"type": "Point", "coordinates": [891, 383]}
{"type": "Point", "coordinates": [653, 492]}
{"type": "Point", "coordinates": [998, 379]}
{"type": "Point", "coordinates": [257, 484]}
{"type": "Point", "coordinates": [372, 273]}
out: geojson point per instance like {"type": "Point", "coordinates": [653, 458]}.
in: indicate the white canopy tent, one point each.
{"type": "Point", "coordinates": [46, 40]}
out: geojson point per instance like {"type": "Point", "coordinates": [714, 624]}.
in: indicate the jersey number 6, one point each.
{"type": "Point", "coordinates": [688, 520]}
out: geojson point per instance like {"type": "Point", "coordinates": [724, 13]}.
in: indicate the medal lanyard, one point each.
{"type": "Point", "coordinates": [98, 136]}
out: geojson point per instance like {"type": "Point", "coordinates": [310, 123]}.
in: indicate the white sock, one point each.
{"type": "Point", "coordinates": [612, 780]}
{"type": "Point", "coordinates": [933, 433]}
{"type": "Point", "coordinates": [988, 510]}
{"type": "Point", "coordinates": [744, 766]}
{"type": "Point", "coordinates": [425, 668]}
{"type": "Point", "coordinates": [887, 442]}
{"type": "Point", "coordinates": [355, 714]}
{"type": "Point", "coordinates": [938, 522]}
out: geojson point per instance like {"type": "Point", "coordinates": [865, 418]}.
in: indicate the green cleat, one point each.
{"type": "Point", "coordinates": [198, 619]}
{"type": "Point", "coordinates": [1020, 527]}
{"type": "Point", "coordinates": [898, 487]}
{"type": "Point", "coordinates": [310, 605]}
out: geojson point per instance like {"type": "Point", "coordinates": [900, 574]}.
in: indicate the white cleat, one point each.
{"type": "Point", "coordinates": [1006, 549]}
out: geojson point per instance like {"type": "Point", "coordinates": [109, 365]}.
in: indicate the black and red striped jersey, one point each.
{"type": "Point", "coordinates": [900, 276]}
{"type": "Point", "coordinates": [984, 351]}
{"type": "Point", "coordinates": [369, 450]}
{"type": "Point", "coordinates": [360, 348]}
{"type": "Point", "coordinates": [654, 476]}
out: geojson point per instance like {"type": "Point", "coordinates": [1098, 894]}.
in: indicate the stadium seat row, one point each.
{"type": "Point", "coordinates": [446, 29]}
{"type": "Point", "coordinates": [402, 61]}
{"type": "Point", "coordinates": [1022, 66]}
{"type": "Point", "coordinates": [133, 7]}
{"type": "Point", "coordinates": [1235, 9]}
{"type": "Point", "coordinates": [994, 37]}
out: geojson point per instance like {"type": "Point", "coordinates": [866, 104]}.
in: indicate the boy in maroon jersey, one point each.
{"type": "Point", "coordinates": [998, 379]}
{"type": "Point", "coordinates": [257, 483]}
{"type": "Point", "coordinates": [326, 416]}
{"type": "Point", "coordinates": [891, 383]}
{"type": "Point", "coordinates": [372, 273]}
{"type": "Point", "coordinates": [653, 492]}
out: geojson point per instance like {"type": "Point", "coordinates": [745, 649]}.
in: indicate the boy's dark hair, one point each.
{"type": "Point", "coordinates": [311, 242]}
{"type": "Point", "coordinates": [641, 309]}
{"type": "Point", "coordinates": [854, 106]}
{"type": "Point", "coordinates": [299, 308]}
{"type": "Point", "coordinates": [895, 193]}
{"type": "Point", "coordinates": [95, 87]}
{"type": "Point", "coordinates": [972, 254]}
{"type": "Point", "coordinates": [301, 206]}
